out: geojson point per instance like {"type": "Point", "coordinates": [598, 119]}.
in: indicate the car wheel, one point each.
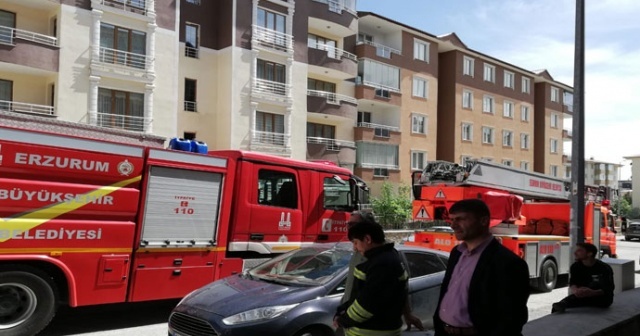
{"type": "Point", "coordinates": [548, 276]}
{"type": "Point", "coordinates": [27, 302]}
{"type": "Point", "coordinates": [314, 331]}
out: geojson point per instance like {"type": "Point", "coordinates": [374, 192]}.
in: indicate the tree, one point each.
{"type": "Point", "coordinates": [623, 205]}
{"type": "Point", "coordinates": [393, 207]}
{"type": "Point", "coordinates": [634, 213]}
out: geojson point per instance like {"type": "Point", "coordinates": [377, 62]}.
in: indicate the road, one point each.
{"type": "Point", "coordinates": [149, 319]}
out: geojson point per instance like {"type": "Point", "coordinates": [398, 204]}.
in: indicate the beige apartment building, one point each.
{"type": "Point", "coordinates": [91, 62]}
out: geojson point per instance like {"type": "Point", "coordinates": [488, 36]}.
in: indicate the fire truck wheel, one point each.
{"type": "Point", "coordinates": [548, 276]}
{"type": "Point", "coordinates": [27, 303]}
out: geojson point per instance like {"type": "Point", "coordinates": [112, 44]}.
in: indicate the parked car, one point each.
{"type": "Point", "coordinates": [296, 294]}
{"type": "Point", "coordinates": [439, 229]}
{"type": "Point", "coordinates": [633, 230]}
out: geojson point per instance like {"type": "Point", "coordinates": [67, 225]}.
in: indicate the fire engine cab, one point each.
{"type": "Point", "coordinates": [530, 213]}
{"type": "Point", "coordinates": [88, 222]}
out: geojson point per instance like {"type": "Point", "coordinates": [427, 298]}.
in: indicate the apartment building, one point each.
{"type": "Point", "coordinates": [553, 103]}
{"type": "Point", "coordinates": [91, 62]}
{"type": "Point", "coordinates": [271, 76]}
{"type": "Point", "coordinates": [397, 92]}
{"type": "Point", "coordinates": [485, 107]}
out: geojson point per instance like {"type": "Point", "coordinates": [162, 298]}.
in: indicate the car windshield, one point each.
{"type": "Point", "coordinates": [306, 266]}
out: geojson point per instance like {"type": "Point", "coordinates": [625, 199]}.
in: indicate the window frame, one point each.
{"type": "Point", "coordinates": [526, 88]}
{"type": "Point", "coordinates": [492, 73]}
{"type": "Point", "coordinates": [470, 94]}
{"type": "Point", "coordinates": [414, 117]}
{"type": "Point", "coordinates": [424, 159]}
{"type": "Point", "coordinates": [553, 146]}
{"type": "Point", "coordinates": [491, 107]}
{"type": "Point", "coordinates": [512, 83]}
{"type": "Point", "coordinates": [527, 142]}
{"type": "Point", "coordinates": [555, 94]}
{"type": "Point", "coordinates": [469, 126]}
{"type": "Point", "coordinates": [491, 135]}
{"type": "Point", "coordinates": [425, 88]}
{"type": "Point", "coordinates": [468, 66]}
{"type": "Point", "coordinates": [507, 135]}
{"type": "Point", "coordinates": [526, 117]}
{"type": "Point", "coordinates": [417, 45]}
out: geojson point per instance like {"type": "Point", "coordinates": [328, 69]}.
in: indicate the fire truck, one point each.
{"type": "Point", "coordinates": [88, 222]}
{"type": "Point", "coordinates": [530, 213]}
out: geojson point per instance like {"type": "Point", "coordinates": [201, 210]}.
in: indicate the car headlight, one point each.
{"type": "Point", "coordinates": [264, 313]}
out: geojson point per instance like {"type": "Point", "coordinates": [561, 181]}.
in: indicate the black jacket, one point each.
{"type": "Point", "coordinates": [379, 292]}
{"type": "Point", "coordinates": [498, 292]}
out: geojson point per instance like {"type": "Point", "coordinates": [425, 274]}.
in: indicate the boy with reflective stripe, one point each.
{"type": "Point", "coordinates": [380, 285]}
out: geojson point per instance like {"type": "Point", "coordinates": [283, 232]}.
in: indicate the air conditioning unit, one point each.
{"type": "Point", "coordinates": [383, 93]}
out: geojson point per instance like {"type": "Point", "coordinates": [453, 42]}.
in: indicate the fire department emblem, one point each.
{"type": "Point", "coordinates": [125, 168]}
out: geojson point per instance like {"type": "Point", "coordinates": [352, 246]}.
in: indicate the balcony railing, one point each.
{"type": "Point", "coordinates": [333, 98]}
{"type": "Point", "coordinates": [8, 35]}
{"type": "Point", "coordinates": [332, 144]}
{"type": "Point", "coordinates": [377, 86]}
{"type": "Point", "coordinates": [129, 123]}
{"type": "Point", "coordinates": [333, 52]}
{"type": "Point", "coordinates": [272, 39]}
{"type": "Point", "coordinates": [124, 58]}
{"type": "Point", "coordinates": [383, 131]}
{"type": "Point", "coordinates": [338, 6]}
{"type": "Point", "coordinates": [136, 6]}
{"type": "Point", "coordinates": [270, 138]}
{"type": "Point", "coordinates": [381, 50]}
{"type": "Point", "coordinates": [192, 52]}
{"type": "Point", "coordinates": [191, 106]}
{"type": "Point", "coordinates": [270, 87]}
{"type": "Point", "coordinates": [27, 108]}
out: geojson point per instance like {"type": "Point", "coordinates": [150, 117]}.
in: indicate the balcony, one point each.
{"type": "Point", "coordinates": [337, 16]}
{"type": "Point", "coordinates": [29, 49]}
{"type": "Point", "coordinates": [376, 132]}
{"type": "Point", "coordinates": [334, 58]}
{"type": "Point", "coordinates": [140, 7]}
{"type": "Point", "coordinates": [271, 142]}
{"type": "Point", "coordinates": [378, 93]}
{"type": "Point", "coordinates": [566, 159]}
{"type": "Point", "coordinates": [375, 50]}
{"type": "Point", "coordinates": [119, 121]}
{"type": "Point", "coordinates": [124, 58]}
{"type": "Point", "coordinates": [339, 151]}
{"type": "Point", "coordinates": [41, 110]}
{"type": "Point", "coordinates": [332, 104]}
{"type": "Point", "coordinates": [190, 106]}
{"type": "Point", "coordinates": [265, 38]}
{"type": "Point", "coordinates": [566, 134]}
{"type": "Point", "coordinates": [270, 91]}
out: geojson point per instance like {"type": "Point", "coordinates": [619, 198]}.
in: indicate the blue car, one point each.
{"type": "Point", "coordinates": [296, 294]}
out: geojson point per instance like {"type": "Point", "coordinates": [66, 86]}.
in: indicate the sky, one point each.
{"type": "Point", "coordinates": [539, 34]}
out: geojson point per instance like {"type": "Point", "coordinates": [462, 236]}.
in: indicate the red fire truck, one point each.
{"type": "Point", "coordinates": [530, 213]}
{"type": "Point", "coordinates": [88, 222]}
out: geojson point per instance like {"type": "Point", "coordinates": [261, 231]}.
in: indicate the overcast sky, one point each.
{"type": "Point", "coordinates": [539, 34]}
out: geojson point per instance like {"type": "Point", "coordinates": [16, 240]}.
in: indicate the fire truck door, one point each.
{"type": "Point", "coordinates": [331, 211]}
{"type": "Point", "coordinates": [598, 221]}
{"type": "Point", "coordinates": [531, 257]}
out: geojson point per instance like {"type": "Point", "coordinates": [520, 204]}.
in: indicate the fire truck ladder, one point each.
{"type": "Point", "coordinates": [487, 174]}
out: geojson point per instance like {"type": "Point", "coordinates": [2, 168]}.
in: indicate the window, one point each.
{"type": "Point", "coordinates": [376, 155]}
{"type": "Point", "coordinates": [508, 109]}
{"type": "Point", "coordinates": [191, 40]}
{"type": "Point", "coordinates": [336, 194]}
{"type": "Point", "coordinates": [277, 189]}
{"type": "Point", "coordinates": [524, 141]}
{"type": "Point", "coordinates": [418, 124]}
{"type": "Point", "coordinates": [321, 131]}
{"type": "Point", "coordinates": [379, 74]}
{"type": "Point", "coordinates": [418, 159]}
{"type": "Point", "coordinates": [467, 132]}
{"type": "Point", "coordinates": [524, 113]}
{"type": "Point", "coordinates": [420, 87]}
{"type": "Point", "coordinates": [421, 50]}
{"type": "Point", "coordinates": [554, 120]}
{"type": "Point", "coordinates": [381, 172]}
{"type": "Point", "coordinates": [121, 109]}
{"type": "Point", "coordinates": [270, 128]}
{"type": "Point", "coordinates": [318, 85]}
{"type": "Point", "coordinates": [122, 46]}
{"type": "Point", "coordinates": [467, 66]}
{"type": "Point", "coordinates": [553, 170]}
{"type": "Point", "coordinates": [467, 99]}
{"type": "Point", "coordinates": [190, 86]}
{"type": "Point", "coordinates": [271, 72]}
{"type": "Point", "coordinates": [6, 94]}
{"type": "Point", "coordinates": [7, 22]}
{"type": "Point", "coordinates": [421, 264]}
{"type": "Point", "coordinates": [489, 73]}
{"type": "Point", "coordinates": [508, 163]}
{"type": "Point", "coordinates": [362, 37]}
{"type": "Point", "coordinates": [487, 104]}
{"type": "Point", "coordinates": [487, 135]}
{"type": "Point", "coordinates": [272, 21]}
{"type": "Point", "coordinates": [555, 94]}
{"type": "Point", "coordinates": [364, 118]}
{"type": "Point", "coordinates": [526, 85]}
{"type": "Point", "coordinates": [524, 165]}
{"type": "Point", "coordinates": [553, 145]}
{"type": "Point", "coordinates": [195, 2]}
{"type": "Point", "coordinates": [507, 138]}
{"type": "Point", "coordinates": [322, 43]}
{"type": "Point", "coordinates": [509, 79]}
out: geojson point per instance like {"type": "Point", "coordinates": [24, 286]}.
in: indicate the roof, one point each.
{"type": "Point", "coordinates": [419, 31]}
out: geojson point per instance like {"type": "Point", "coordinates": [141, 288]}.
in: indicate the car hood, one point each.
{"type": "Point", "coordinates": [236, 294]}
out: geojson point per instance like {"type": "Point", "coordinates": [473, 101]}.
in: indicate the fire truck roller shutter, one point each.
{"type": "Point", "coordinates": [181, 208]}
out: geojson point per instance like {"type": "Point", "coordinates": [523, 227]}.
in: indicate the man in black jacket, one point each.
{"type": "Point", "coordinates": [486, 286]}
{"type": "Point", "coordinates": [379, 288]}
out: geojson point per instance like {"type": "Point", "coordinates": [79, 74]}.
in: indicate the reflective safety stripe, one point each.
{"type": "Point", "coordinates": [359, 274]}
{"type": "Point", "coordinates": [366, 332]}
{"type": "Point", "coordinates": [357, 313]}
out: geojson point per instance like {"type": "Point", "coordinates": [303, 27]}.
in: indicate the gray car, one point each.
{"type": "Point", "coordinates": [633, 230]}
{"type": "Point", "coordinates": [296, 294]}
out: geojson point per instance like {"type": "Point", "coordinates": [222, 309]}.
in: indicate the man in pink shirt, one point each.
{"type": "Point", "coordinates": [486, 286]}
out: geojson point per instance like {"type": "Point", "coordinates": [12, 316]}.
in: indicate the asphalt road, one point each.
{"type": "Point", "coordinates": [149, 319]}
